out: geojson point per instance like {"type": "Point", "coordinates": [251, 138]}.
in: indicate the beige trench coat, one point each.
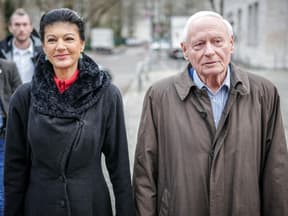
{"type": "Point", "coordinates": [186, 167]}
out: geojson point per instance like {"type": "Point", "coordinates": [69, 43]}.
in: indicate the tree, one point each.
{"type": "Point", "coordinates": [9, 7]}
{"type": "Point", "coordinates": [91, 10]}
{"type": "Point", "coordinates": [96, 11]}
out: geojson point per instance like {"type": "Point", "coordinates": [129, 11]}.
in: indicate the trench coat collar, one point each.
{"type": "Point", "coordinates": [239, 82]}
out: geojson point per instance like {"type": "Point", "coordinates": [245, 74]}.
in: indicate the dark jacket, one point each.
{"type": "Point", "coordinates": [54, 147]}
{"type": "Point", "coordinates": [9, 81]}
{"type": "Point", "coordinates": [6, 47]}
{"type": "Point", "coordinates": [185, 166]}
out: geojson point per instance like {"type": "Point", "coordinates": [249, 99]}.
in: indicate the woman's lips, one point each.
{"type": "Point", "coordinates": [62, 56]}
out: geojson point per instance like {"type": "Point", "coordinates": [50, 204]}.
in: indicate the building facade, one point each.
{"type": "Point", "coordinates": [150, 19]}
{"type": "Point", "coordinates": [261, 32]}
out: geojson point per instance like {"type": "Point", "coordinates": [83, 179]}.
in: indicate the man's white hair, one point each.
{"type": "Point", "coordinates": [205, 14]}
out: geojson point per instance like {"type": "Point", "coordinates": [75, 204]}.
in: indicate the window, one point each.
{"type": "Point", "coordinates": [239, 26]}
{"type": "Point", "coordinates": [253, 24]}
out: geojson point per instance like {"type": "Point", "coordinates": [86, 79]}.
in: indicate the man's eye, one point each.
{"type": "Point", "coordinates": [218, 42]}
{"type": "Point", "coordinates": [198, 46]}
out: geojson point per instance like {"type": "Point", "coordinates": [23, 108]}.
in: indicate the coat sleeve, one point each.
{"type": "Point", "coordinates": [145, 164]}
{"type": "Point", "coordinates": [17, 160]}
{"type": "Point", "coordinates": [115, 149]}
{"type": "Point", "coordinates": [15, 79]}
{"type": "Point", "coordinates": [275, 169]}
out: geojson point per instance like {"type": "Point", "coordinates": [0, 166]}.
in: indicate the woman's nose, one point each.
{"type": "Point", "coordinates": [60, 45]}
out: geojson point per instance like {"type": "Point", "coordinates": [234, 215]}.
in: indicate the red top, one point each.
{"type": "Point", "coordinates": [62, 85]}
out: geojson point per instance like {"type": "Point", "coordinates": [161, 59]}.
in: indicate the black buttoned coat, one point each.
{"type": "Point", "coordinates": [54, 147]}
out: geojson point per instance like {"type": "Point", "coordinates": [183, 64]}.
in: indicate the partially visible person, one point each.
{"type": "Point", "coordinates": [60, 125]}
{"type": "Point", "coordinates": [211, 139]}
{"type": "Point", "coordinates": [22, 46]}
{"type": "Point", "coordinates": [9, 81]}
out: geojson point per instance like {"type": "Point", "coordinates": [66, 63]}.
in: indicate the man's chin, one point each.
{"type": "Point", "coordinates": [213, 70]}
{"type": "Point", "coordinates": [22, 39]}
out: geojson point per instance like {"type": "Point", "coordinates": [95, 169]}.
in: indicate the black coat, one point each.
{"type": "Point", "coordinates": [6, 47]}
{"type": "Point", "coordinates": [53, 155]}
{"type": "Point", "coordinates": [9, 81]}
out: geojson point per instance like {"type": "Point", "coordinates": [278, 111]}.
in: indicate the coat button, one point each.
{"type": "Point", "coordinates": [62, 203]}
{"type": "Point", "coordinates": [62, 178]}
{"type": "Point", "coordinates": [203, 114]}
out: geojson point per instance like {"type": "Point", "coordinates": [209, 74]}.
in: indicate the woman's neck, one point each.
{"type": "Point", "coordinates": [64, 74]}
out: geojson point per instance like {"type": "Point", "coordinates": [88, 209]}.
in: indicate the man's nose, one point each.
{"type": "Point", "coordinates": [21, 27]}
{"type": "Point", "coordinates": [209, 49]}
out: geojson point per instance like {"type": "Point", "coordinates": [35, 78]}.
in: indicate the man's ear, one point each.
{"type": "Point", "coordinates": [184, 50]}
{"type": "Point", "coordinates": [232, 44]}
{"type": "Point", "coordinates": [10, 29]}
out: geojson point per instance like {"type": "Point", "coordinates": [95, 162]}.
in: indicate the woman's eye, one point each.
{"type": "Point", "coordinates": [69, 39]}
{"type": "Point", "coordinates": [50, 40]}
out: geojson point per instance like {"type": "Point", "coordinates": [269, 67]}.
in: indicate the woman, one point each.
{"type": "Point", "coordinates": [58, 127]}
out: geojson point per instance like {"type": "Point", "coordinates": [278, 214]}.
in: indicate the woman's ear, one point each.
{"type": "Point", "coordinates": [83, 46]}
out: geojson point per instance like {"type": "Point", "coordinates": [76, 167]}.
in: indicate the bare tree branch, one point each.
{"type": "Point", "coordinates": [95, 13]}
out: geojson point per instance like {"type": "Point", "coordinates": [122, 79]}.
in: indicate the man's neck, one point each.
{"type": "Point", "coordinates": [22, 44]}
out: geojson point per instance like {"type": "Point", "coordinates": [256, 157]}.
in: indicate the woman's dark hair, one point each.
{"type": "Point", "coordinates": [62, 15]}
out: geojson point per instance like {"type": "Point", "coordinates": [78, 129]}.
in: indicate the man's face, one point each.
{"type": "Point", "coordinates": [208, 46]}
{"type": "Point", "coordinates": [20, 27]}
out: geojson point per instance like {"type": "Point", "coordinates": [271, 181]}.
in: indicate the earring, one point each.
{"type": "Point", "coordinates": [46, 58]}
{"type": "Point", "coordinates": [81, 55]}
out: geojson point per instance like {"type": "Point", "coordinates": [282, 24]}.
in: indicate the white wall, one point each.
{"type": "Point", "coordinates": [271, 45]}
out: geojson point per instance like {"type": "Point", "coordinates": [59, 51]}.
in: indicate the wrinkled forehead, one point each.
{"type": "Point", "coordinates": [208, 23]}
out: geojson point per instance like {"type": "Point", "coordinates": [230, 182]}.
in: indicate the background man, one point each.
{"type": "Point", "coordinates": [211, 139]}
{"type": "Point", "coordinates": [9, 81]}
{"type": "Point", "coordinates": [21, 46]}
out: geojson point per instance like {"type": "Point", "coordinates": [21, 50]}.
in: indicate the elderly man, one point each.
{"type": "Point", "coordinates": [211, 139]}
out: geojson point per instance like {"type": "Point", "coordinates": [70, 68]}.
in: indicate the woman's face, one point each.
{"type": "Point", "coordinates": [63, 46]}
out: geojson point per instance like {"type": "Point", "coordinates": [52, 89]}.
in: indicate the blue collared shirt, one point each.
{"type": "Point", "coordinates": [218, 99]}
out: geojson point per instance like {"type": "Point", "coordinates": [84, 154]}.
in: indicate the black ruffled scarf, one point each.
{"type": "Point", "coordinates": [79, 97]}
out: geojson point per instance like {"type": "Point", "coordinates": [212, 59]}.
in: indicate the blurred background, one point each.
{"type": "Point", "coordinates": [137, 41]}
{"type": "Point", "coordinates": [260, 26]}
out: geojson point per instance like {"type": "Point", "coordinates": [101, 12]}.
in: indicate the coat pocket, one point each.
{"type": "Point", "coordinates": [164, 204]}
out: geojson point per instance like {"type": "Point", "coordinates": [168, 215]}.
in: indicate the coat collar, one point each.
{"type": "Point", "coordinates": [239, 82]}
{"type": "Point", "coordinates": [79, 97]}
